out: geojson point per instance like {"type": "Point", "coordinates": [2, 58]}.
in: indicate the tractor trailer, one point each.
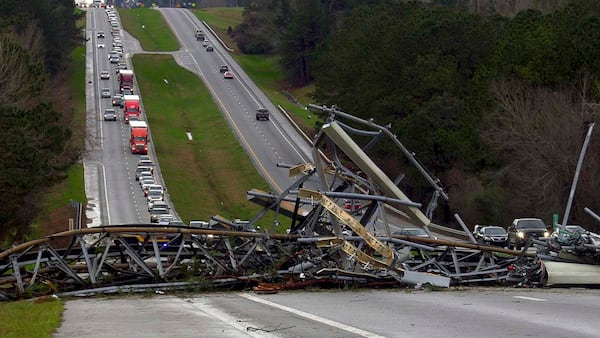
{"type": "Point", "coordinates": [131, 108]}
{"type": "Point", "coordinates": [126, 80]}
{"type": "Point", "coordinates": [139, 137]}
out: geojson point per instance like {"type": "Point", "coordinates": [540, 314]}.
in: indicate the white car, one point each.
{"type": "Point", "coordinates": [101, 45]}
{"type": "Point", "coordinates": [154, 196]}
{"type": "Point", "coordinates": [146, 182]}
{"type": "Point", "coordinates": [158, 204]}
{"type": "Point", "coordinates": [104, 75]}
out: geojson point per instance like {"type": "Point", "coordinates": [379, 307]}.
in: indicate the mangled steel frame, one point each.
{"type": "Point", "coordinates": [327, 243]}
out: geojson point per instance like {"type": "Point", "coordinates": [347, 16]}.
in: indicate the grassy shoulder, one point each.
{"type": "Point", "coordinates": [210, 174]}
{"type": "Point", "coordinates": [148, 26]}
{"type": "Point", "coordinates": [30, 319]}
{"type": "Point", "coordinates": [263, 69]}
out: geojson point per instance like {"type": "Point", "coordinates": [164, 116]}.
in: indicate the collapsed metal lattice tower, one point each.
{"type": "Point", "coordinates": [340, 233]}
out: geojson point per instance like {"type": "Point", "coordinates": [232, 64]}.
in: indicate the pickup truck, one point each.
{"type": "Point", "coordinates": [262, 114]}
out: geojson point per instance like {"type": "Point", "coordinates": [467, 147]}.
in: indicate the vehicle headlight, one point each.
{"type": "Point", "coordinates": [487, 238]}
{"type": "Point", "coordinates": [520, 234]}
{"type": "Point", "coordinates": [546, 234]}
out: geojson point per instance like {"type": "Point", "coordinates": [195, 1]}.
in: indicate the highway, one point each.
{"type": "Point", "coordinates": [267, 142]}
{"type": "Point", "coordinates": [114, 195]}
{"type": "Point", "coordinates": [115, 198]}
{"type": "Point", "coordinates": [473, 312]}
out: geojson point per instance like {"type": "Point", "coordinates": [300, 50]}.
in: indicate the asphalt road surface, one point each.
{"type": "Point", "coordinates": [465, 312]}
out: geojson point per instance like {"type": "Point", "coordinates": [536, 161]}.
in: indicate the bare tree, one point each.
{"type": "Point", "coordinates": [538, 133]}
{"type": "Point", "coordinates": [20, 75]}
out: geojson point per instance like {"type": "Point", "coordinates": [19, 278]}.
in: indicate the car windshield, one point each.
{"type": "Point", "coordinates": [494, 231]}
{"type": "Point", "coordinates": [531, 224]}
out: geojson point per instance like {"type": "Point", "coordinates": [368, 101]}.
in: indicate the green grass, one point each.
{"type": "Point", "coordinates": [210, 174]}
{"type": "Point", "coordinates": [30, 319]}
{"type": "Point", "coordinates": [221, 18]}
{"type": "Point", "coordinates": [147, 25]}
{"type": "Point", "coordinates": [264, 70]}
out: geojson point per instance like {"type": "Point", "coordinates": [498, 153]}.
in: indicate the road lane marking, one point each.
{"type": "Point", "coordinates": [315, 318]}
{"type": "Point", "coordinates": [531, 298]}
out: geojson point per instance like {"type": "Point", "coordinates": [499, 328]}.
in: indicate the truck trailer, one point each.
{"type": "Point", "coordinates": [125, 80]}
{"type": "Point", "coordinates": [139, 137]}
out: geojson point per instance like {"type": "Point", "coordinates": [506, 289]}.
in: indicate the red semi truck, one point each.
{"type": "Point", "coordinates": [139, 137]}
{"type": "Point", "coordinates": [125, 80]}
{"type": "Point", "coordinates": [131, 108]}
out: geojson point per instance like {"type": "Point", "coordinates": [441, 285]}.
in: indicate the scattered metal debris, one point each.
{"type": "Point", "coordinates": [330, 243]}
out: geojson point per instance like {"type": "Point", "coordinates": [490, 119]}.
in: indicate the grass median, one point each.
{"type": "Point", "coordinates": [210, 174]}
{"type": "Point", "coordinates": [149, 27]}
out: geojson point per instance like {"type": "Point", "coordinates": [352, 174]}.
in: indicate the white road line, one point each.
{"type": "Point", "coordinates": [531, 298]}
{"type": "Point", "coordinates": [209, 310]}
{"type": "Point", "coordinates": [315, 318]}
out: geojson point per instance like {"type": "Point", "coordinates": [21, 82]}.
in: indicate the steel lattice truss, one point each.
{"type": "Point", "coordinates": [327, 243]}
{"type": "Point", "coordinates": [109, 258]}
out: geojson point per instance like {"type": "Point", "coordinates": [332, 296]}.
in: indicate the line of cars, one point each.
{"type": "Point", "coordinates": [521, 230]}
{"type": "Point", "coordinates": [154, 192]}
{"type": "Point", "coordinates": [114, 57]}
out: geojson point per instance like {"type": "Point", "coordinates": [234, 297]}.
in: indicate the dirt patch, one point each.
{"type": "Point", "coordinates": [58, 221]}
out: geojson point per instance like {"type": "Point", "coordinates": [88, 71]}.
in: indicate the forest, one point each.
{"type": "Point", "coordinates": [37, 38]}
{"type": "Point", "coordinates": [496, 106]}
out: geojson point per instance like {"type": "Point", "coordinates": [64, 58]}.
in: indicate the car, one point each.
{"type": "Point", "coordinates": [228, 75]}
{"type": "Point", "coordinates": [165, 219]}
{"type": "Point", "coordinates": [205, 43]}
{"type": "Point", "coordinates": [175, 223]}
{"type": "Point", "coordinates": [491, 235]}
{"type": "Point", "coordinates": [263, 114]}
{"type": "Point", "coordinates": [105, 93]}
{"type": "Point", "coordinates": [100, 35]}
{"type": "Point", "coordinates": [145, 175]}
{"type": "Point", "coordinates": [133, 118]}
{"type": "Point", "coordinates": [140, 169]}
{"type": "Point", "coordinates": [110, 114]}
{"type": "Point", "coordinates": [224, 68]}
{"type": "Point", "coordinates": [144, 182]}
{"type": "Point", "coordinates": [104, 75]}
{"type": "Point", "coordinates": [154, 195]}
{"type": "Point", "coordinates": [118, 52]}
{"type": "Point", "coordinates": [157, 213]}
{"type": "Point", "coordinates": [158, 204]}
{"type": "Point", "coordinates": [117, 100]}
{"type": "Point", "coordinates": [145, 162]}
{"type": "Point", "coordinates": [154, 187]}
{"type": "Point", "coordinates": [127, 92]}
{"type": "Point", "coordinates": [413, 232]}
{"type": "Point", "coordinates": [522, 229]}
{"type": "Point", "coordinates": [114, 59]}
{"type": "Point", "coordinates": [210, 48]}
{"type": "Point", "coordinates": [101, 45]}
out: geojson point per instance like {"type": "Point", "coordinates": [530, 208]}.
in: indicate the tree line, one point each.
{"type": "Point", "coordinates": [495, 106]}
{"type": "Point", "coordinates": [36, 40]}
